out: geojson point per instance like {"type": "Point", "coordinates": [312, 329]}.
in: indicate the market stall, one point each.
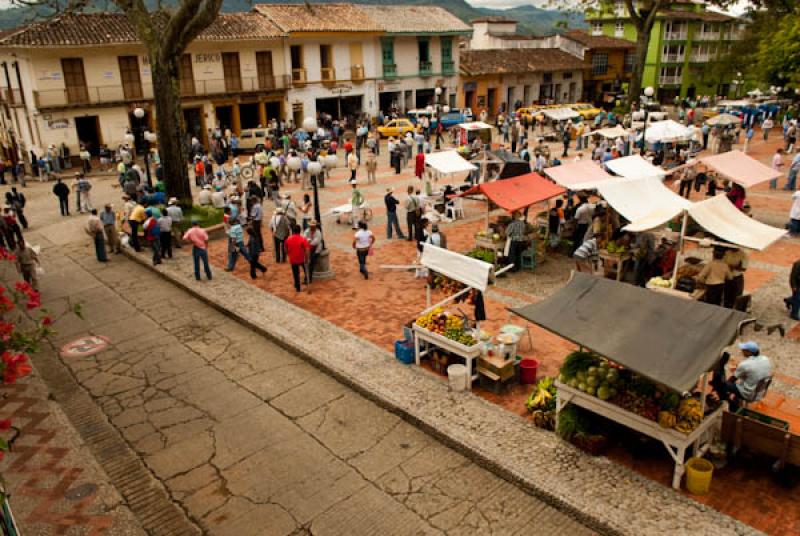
{"type": "Point", "coordinates": [581, 175]}
{"type": "Point", "coordinates": [467, 132]}
{"type": "Point", "coordinates": [443, 164]}
{"type": "Point", "coordinates": [668, 131]}
{"type": "Point", "coordinates": [740, 168]}
{"type": "Point", "coordinates": [437, 328]}
{"type": "Point", "coordinates": [516, 193]}
{"type": "Point", "coordinates": [653, 388]}
{"type": "Point", "coordinates": [634, 166]}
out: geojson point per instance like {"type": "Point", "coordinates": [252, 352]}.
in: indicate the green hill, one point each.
{"type": "Point", "coordinates": [531, 19]}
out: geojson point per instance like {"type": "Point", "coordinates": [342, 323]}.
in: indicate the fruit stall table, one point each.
{"type": "Point", "coordinates": [676, 443]}
{"type": "Point", "coordinates": [615, 262]}
{"type": "Point", "coordinates": [468, 353]}
{"type": "Point", "coordinates": [651, 345]}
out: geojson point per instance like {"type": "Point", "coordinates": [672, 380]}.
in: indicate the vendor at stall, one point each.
{"type": "Point", "coordinates": [715, 275]}
{"type": "Point", "coordinates": [736, 259]}
{"type": "Point", "coordinates": [742, 386]}
{"type": "Point", "coordinates": [516, 234]}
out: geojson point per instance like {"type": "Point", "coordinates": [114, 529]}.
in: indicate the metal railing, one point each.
{"type": "Point", "coordinates": [357, 72]}
{"type": "Point", "coordinates": [448, 67]}
{"type": "Point", "coordinates": [12, 96]}
{"type": "Point", "coordinates": [670, 80]}
{"type": "Point", "coordinates": [76, 96]}
{"type": "Point", "coordinates": [425, 67]}
{"type": "Point", "coordinates": [299, 76]}
{"type": "Point", "coordinates": [675, 36]}
{"type": "Point", "coordinates": [700, 57]}
{"type": "Point", "coordinates": [389, 70]}
{"type": "Point", "coordinates": [327, 74]}
{"type": "Point", "coordinates": [672, 57]}
{"type": "Point", "coordinates": [707, 36]}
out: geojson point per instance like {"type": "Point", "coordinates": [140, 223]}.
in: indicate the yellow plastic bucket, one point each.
{"type": "Point", "coordinates": [698, 475]}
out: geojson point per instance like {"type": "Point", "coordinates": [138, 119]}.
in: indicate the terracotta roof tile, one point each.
{"type": "Point", "coordinates": [705, 16]}
{"type": "Point", "coordinates": [83, 29]}
{"type": "Point", "coordinates": [517, 61]}
{"type": "Point", "coordinates": [598, 41]}
{"type": "Point", "coordinates": [416, 19]}
{"type": "Point", "coordinates": [494, 19]}
{"type": "Point", "coordinates": [319, 17]}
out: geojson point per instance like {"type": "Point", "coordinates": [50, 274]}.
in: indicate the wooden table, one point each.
{"type": "Point", "coordinates": [674, 441]}
{"type": "Point", "coordinates": [469, 353]}
{"type": "Point", "coordinates": [618, 258]}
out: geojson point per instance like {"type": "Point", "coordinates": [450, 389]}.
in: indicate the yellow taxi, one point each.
{"type": "Point", "coordinates": [397, 128]}
{"type": "Point", "coordinates": [529, 113]}
{"type": "Point", "coordinates": [586, 110]}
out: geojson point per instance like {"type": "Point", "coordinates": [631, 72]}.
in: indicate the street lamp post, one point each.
{"type": "Point", "coordinates": [438, 93]}
{"type": "Point", "coordinates": [322, 268]}
{"type": "Point", "coordinates": [644, 101]}
{"type": "Point", "coordinates": [738, 83]}
{"type": "Point", "coordinates": [139, 113]}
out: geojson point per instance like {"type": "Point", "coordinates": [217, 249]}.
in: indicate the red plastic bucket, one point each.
{"type": "Point", "coordinates": [527, 369]}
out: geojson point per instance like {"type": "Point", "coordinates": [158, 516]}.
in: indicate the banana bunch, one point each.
{"type": "Point", "coordinates": [690, 415]}
{"type": "Point", "coordinates": [539, 398]}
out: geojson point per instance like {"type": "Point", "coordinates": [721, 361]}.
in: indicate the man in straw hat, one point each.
{"type": "Point", "coordinates": [176, 214]}
{"type": "Point", "coordinates": [314, 236]}
{"type": "Point", "coordinates": [391, 203]}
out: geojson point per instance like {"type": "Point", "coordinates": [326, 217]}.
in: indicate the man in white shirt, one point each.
{"type": "Point", "coordinates": [754, 368]}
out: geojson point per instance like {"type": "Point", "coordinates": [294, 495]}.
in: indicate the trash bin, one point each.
{"type": "Point", "coordinates": [404, 352]}
{"type": "Point", "coordinates": [528, 368]}
{"type": "Point", "coordinates": [698, 475]}
{"type": "Point", "coordinates": [457, 374]}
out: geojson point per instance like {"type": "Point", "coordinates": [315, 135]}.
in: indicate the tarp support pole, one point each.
{"type": "Point", "coordinates": [428, 295]}
{"type": "Point", "coordinates": [703, 398]}
{"type": "Point", "coordinates": [679, 257]}
{"type": "Point", "coordinates": [434, 306]}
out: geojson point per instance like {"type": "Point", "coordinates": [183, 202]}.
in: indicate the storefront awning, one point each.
{"type": "Point", "coordinates": [560, 114]}
{"type": "Point", "coordinates": [634, 166]}
{"type": "Point", "coordinates": [639, 198]}
{"type": "Point", "coordinates": [582, 175]}
{"type": "Point", "coordinates": [721, 218]}
{"type": "Point", "coordinates": [740, 168]}
{"type": "Point", "coordinates": [518, 192]}
{"type": "Point", "coordinates": [471, 272]}
{"type": "Point", "coordinates": [668, 131]}
{"type": "Point", "coordinates": [668, 339]}
{"type": "Point", "coordinates": [447, 162]}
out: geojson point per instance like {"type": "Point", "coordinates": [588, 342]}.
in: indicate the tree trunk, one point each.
{"type": "Point", "coordinates": [642, 44]}
{"type": "Point", "coordinates": [169, 125]}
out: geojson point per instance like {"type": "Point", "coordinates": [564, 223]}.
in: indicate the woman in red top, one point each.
{"type": "Point", "coordinates": [419, 165]}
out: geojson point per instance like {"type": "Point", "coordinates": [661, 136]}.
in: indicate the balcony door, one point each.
{"type": "Point", "coordinates": [131, 79]}
{"type": "Point", "coordinates": [266, 78]}
{"type": "Point", "coordinates": [232, 71]}
{"type": "Point", "coordinates": [187, 75]}
{"type": "Point", "coordinates": [75, 80]}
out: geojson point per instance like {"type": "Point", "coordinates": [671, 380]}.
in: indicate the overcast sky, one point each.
{"type": "Point", "coordinates": [504, 4]}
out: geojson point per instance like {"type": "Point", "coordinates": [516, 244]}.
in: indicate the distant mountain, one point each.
{"type": "Point", "coordinates": [531, 19]}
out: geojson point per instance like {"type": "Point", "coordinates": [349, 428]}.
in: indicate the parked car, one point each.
{"type": "Point", "coordinates": [466, 112]}
{"type": "Point", "coordinates": [450, 119]}
{"type": "Point", "coordinates": [587, 111]}
{"type": "Point", "coordinates": [529, 112]}
{"type": "Point", "coordinates": [252, 139]}
{"type": "Point", "coordinates": [416, 115]}
{"type": "Point", "coordinates": [396, 128]}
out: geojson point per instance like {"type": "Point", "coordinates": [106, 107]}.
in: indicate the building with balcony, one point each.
{"type": "Point", "coordinates": [686, 37]}
{"type": "Point", "coordinates": [330, 51]}
{"type": "Point", "coordinates": [608, 64]}
{"type": "Point", "coordinates": [495, 79]}
{"type": "Point", "coordinates": [418, 53]}
{"type": "Point", "coordinates": [76, 79]}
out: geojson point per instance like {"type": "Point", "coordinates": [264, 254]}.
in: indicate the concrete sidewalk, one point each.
{"type": "Point", "coordinates": [604, 495]}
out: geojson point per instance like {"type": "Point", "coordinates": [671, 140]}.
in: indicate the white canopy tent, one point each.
{"type": "Point", "coordinates": [637, 198]}
{"type": "Point", "coordinates": [447, 162]}
{"type": "Point", "coordinates": [720, 217]}
{"type": "Point", "coordinates": [581, 175]}
{"type": "Point", "coordinates": [474, 125]}
{"type": "Point", "coordinates": [634, 166]}
{"type": "Point", "coordinates": [668, 131]}
{"type": "Point", "coordinates": [472, 272]}
{"type": "Point", "coordinates": [560, 114]}
{"type": "Point", "coordinates": [740, 168]}
{"type": "Point", "coordinates": [612, 132]}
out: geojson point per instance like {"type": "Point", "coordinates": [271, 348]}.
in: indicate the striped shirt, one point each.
{"type": "Point", "coordinates": [587, 250]}
{"type": "Point", "coordinates": [516, 231]}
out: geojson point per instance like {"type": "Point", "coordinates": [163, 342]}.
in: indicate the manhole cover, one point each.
{"type": "Point", "coordinates": [79, 492]}
{"type": "Point", "coordinates": [89, 345]}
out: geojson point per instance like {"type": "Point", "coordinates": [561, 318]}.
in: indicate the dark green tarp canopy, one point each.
{"type": "Point", "coordinates": [668, 339]}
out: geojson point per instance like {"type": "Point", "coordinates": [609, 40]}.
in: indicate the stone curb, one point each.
{"type": "Point", "coordinates": [439, 411]}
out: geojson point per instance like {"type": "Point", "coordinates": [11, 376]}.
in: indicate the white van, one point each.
{"type": "Point", "coordinates": [252, 139]}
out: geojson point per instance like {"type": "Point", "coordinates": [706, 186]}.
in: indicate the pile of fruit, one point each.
{"type": "Point", "coordinates": [598, 377]}
{"type": "Point", "coordinates": [542, 404]}
{"type": "Point", "coordinates": [613, 247]}
{"type": "Point", "coordinates": [450, 326]}
{"type": "Point", "coordinates": [660, 282]}
{"type": "Point", "coordinates": [443, 282]}
{"type": "Point", "coordinates": [482, 255]}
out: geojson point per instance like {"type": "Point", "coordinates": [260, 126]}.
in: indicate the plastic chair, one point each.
{"type": "Point", "coordinates": [455, 208]}
{"type": "Point", "coordinates": [529, 258]}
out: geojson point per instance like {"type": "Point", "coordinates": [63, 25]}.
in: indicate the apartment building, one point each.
{"type": "Point", "coordinates": [492, 79]}
{"type": "Point", "coordinates": [418, 53]}
{"type": "Point", "coordinates": [608, 60]}
{"type": "Point", "coordinates": [76, 79]}
{"type": "Point", "coordinates": [686, 38]}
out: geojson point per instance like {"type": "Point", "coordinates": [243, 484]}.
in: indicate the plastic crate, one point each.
{"type": "Point", "coordinates": [404, 352]}
{"type": "Point", "coordinates": [763, 418]}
